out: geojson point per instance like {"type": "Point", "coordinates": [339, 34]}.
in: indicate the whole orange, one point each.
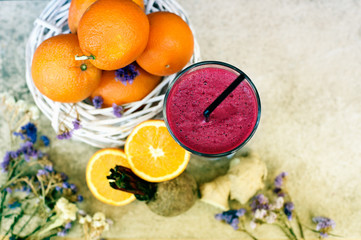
{"type": "Point", "coordinates": [113, 32]}
{"type": "Point", "coordinates": [58, 75]}
{"type": "Point", "coordinates": [115, 91]}
{"type": "Point", "coordinates": [140, 3]}
{"type": "Point", "coordinates": [170, 45]}
{"type": "Point", "coordinates": [77, 9]}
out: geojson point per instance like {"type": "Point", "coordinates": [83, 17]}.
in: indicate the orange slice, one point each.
{"type": "Point", "coordinates": [96, 176]}
{"type": "Point", "coordinates": [153, 154]}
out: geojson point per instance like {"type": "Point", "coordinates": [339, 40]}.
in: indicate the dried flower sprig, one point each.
{"type": "Point", "coordinates": [117, 110]}
{"type": "Point", "coordinates": [324, 225]}
{"type": "Point", "coordinates": [65, 132]}
{"type": "Point", "coordinates": [93, 227]}
{"type": "Point", "coordinates": [33, 188]}
{"type": "Point", "coordinates": [280, 211]}
{"type": "Point", "coordinates": [36, 201]}
{"type": "Point", "coordinates": [126, 74]}
{"type": "Point", "coordinates": [98, 101]}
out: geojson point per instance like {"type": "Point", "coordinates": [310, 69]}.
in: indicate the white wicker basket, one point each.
{"type": "Point", "coordinates": [100, 128]}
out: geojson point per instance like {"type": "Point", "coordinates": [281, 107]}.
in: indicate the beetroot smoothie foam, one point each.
{"type": "Point", "coordinates": [229, 125]}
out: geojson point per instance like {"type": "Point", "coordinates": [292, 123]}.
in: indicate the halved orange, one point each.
{"type": "Point", "coordinates": [96, 176]}
{"type": "Point", "coordinates": [153, 154]}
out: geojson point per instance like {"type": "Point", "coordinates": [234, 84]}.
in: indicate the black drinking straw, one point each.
{"type": "Point", "coordinates": [223, 95]}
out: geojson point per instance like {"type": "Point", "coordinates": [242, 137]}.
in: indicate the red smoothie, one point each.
{"type": "Point", "coordinates": [229, 125]}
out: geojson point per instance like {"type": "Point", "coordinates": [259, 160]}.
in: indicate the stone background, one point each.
{"type": "Point", "coordinates": [303, 56]}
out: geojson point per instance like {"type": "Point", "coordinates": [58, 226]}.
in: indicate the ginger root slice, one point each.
{"type": "Point", "coordinates": [216, 192]}
{"type": "Point", "coordinates": [246, 176]}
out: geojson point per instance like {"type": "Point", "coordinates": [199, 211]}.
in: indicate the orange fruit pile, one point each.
{"type": "Point", "coordinates": [96, 176]}
{"type": "Point", "coordinates": [111, 35]}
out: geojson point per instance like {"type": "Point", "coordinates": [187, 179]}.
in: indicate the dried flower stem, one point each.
{"type": "Point", "coordinates": [49, 187]}
{"type": "Point", "coordinates": [299, 225]}
{"type": "Point", "coordinates": [3, 196]}
{"type": "Point", "coordinates": [248, 233]}
{"type": "Point", "coordinates": [42, 190]}
{"type": "Point", "coordinates": [30, 185]}
{"type": "Point", "coordinates": [28, 221]}
{"type": "Point", "coordinates": [284, 230]}
{"type": "Point", "coordinates": [16, 220]}
{"type": "Point", "coordinates": [11, 178]}
{"type": "Point", "coordinates": [243, 229]}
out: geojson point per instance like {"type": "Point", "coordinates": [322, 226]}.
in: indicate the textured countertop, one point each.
{"type": "Point", "coordinates": [303, 56]}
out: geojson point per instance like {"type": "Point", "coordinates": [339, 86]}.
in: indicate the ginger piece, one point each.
{"type": "Point", "coordinates": [246, 176]}
{"type": "Point", "coordinates": [216, 192]}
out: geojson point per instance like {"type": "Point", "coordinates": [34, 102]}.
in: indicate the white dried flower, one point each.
{"type": "Point", "coordinates": [99, 221]}
{"type": "Point", "coordinates": [21, 106]}
{"type": "Point", "coordinates": [88, 218]}
{"type": "Point", "coordinates": [4, 96]}
{"type": "Point", "coordinates": [34, 112]}
{"type": "Point", "coordinates": [279, 202]}
{"type": "Point", "coordinates": [252, 224]}
{"type": "Point", "coordinates": [99, 216]}
{"type": "Point", "coordinates": [85, 219]}
{"type": "Point", "coordinates": [66, 210]}
{"type": "Point", "coordinates": [9, 101]}
{"type": "Point", "coordinates": [271, 218]}
{"type": "Point", "coordinates": [260, 213]}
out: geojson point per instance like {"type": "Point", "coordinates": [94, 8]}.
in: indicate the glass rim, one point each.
{"type": "Point", "coordinates": [227, 65]}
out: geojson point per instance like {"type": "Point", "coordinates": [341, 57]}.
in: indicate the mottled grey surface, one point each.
{"type": "Point", "coordinates": [303, 56]}
{"type": "Point", "coordinates": [16, 21]}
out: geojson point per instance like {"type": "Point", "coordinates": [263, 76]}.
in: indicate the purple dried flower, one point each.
{"type": "Point", "coordinates": [66, 185]}
{"type": "Point", "coordinates": [8, 190]}
{"type": "Point", "coordinates": [58, 189]}
{"type": "Point", "coordinates": [28, 150]}
{"type": "Point", "coordinates": [29, 130]}
{"type": "Point", "coordinates": [126, 74]}
{"type": "Point", "coordinates": [279, 179]}
{"type": "Point", "coordinates": [45, 140]}
{"type": "Point", "coordinates": [26, 189]}
{"type": "Point", "coordinates": [324, 225]}
{"type": "Point", "coordinates": [42, 172]}
{"type": "Point", "coordinates": [14, 154]}
{"type": "Point", "coordinates": [73, 188]}
{"type": "Point", "coordinates": [63, 176]}
{"type": "Point", "coordinates": [288, 208]}
{"type": "Point", "coordinates": [80, 198]}
{"type": "Point", "coordinates": [6, 161]}
{"type": "Point", "coordinates": [15, 204]}
{"type": "Point", "coordinates": [259, 202]}
{"type": "Point", "coordinates": [19, 134]}
{"type": "Point", "coordinates": [98, 101]}
{"type": "Point", "coordinates": [62, 233]}
{"type": "Point", "coordinates": [67, 226]}
{"type": "Point", "coordinates": [76, 124]}
{"type": "Point", "coordinates": [49, 168]}
{"type": "Point", "coordinates": [117, 110]}
{"type": "Point", "coordinates": [231, 217]}
{"type": "Point", "coordinates": [64, 135]}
